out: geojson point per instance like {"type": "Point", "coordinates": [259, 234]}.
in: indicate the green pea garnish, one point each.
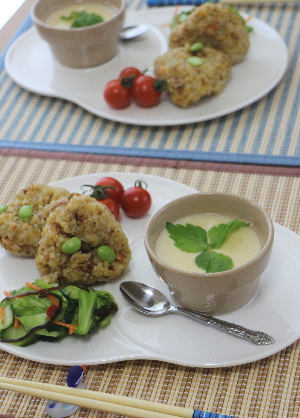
{"type": "Point", "coordinates": [106, 253]}
{"type": "Point", "coordinates": [71, 246]}
{"type": "Point", "coordinates": [25, 212]}
{"type": "Point", "coordinates": [3, 208]}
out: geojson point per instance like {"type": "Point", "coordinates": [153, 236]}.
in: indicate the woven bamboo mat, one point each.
{"type": "Point", "coordinates": [262, 389]}
{"type": "Point", "coordinates": [265, 132]}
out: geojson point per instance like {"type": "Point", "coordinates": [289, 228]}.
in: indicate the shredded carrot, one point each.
{"type": "Point", "coordinates": [50, 297]}
{"type": "Point", "coordinates": [247, 19]}
{"type": "Point", "coordinates": [70, 326]}
{"type": "Point", "coordinates": [1, 313]}
{"type": "Point", "coordinates": [32, 286]}
{"type": "Point", "coordinates": [7, 294]}
{"type": "Point", "coordinates": [53, 300]}
{"type": "Point", "coordinates": [16, 322]}
{"type": "Point", "coordinates": [165, 25]}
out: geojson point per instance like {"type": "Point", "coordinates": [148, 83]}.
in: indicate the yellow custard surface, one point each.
{"type": "Point", "coordinates": [55, 20]}
{"type": "Point", "coordinates": [241, 245]}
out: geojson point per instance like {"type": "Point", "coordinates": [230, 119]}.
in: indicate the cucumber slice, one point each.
{"type": "Point", "coordinates": [15, 333]}
{"type": "Point", "coordinates": [8, 317]}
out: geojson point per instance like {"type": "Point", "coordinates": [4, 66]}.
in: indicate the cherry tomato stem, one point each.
{"type": "Point", "coordinates": [99, 193]}
{"type": "Point", "coordinates": [113, 188]}
{"type": "Point", "coordinates": [128, 75]}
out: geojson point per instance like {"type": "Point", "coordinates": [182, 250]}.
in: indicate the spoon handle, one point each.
{"type": "Point", "coordinates": [255, 337]}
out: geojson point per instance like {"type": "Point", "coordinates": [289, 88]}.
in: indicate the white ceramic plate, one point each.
{"type": "Point", "coordinates": [172, 338]}
{"type": "Point", "coordinates": [31, 65]}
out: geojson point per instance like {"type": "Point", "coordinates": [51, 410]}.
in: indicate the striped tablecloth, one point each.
{"type": "Point", "coordinates": [266, 132]}
{"type": "Point", "coordinates": [263, 389]}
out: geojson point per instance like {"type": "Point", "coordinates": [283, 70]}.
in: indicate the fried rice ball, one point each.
{"type": "Point", "coordinates": [93, 224]}
{"type": "Point", "coordinates": [186, 83]}
{"type": "Point", "coordinates": [216, 26]}
{"type": "Point", "coordinates": [21, 236]}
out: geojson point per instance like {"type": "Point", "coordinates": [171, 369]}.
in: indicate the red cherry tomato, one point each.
{"type": "Point", "coordinates": [129, 72]}
{"type": "Point", "coordinates": [116, 95]}
{"type": "Point", "coordinates": [146, 91]}
{"type": "Point", "coordinates": [115, 192]}
{"type": "Point", "coordinates": [112, 205]}
{"type": "Point", "coordinates": [136, 201]}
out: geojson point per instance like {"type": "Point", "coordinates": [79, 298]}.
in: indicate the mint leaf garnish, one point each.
{"type": "Point", "coordinates": [194, 239]}
{"type": "Point", "coordinates": [218, 234]}
{"type": "Point", "coordinates": [189, 238]}
{"type": "Point", "coordinates": [213, 262]}
{"type": "Point", "coordinates": [80, 19]}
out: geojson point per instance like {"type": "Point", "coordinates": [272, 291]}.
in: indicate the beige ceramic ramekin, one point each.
{"type": "Point", "coordinates": [87, 46]}
{"type": "Point", "coordinates": [220, 292]}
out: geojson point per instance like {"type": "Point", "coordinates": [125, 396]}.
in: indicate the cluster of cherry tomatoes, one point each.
{"type": "Point", "coordinates": [133, 85]}
{"type": "Point", "coordinates": [134, 201]}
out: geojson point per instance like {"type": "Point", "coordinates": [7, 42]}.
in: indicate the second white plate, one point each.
{"type": "Point", "coordinates": [172, 338]}
{"type": "Point", "coordinates": [30, 64]}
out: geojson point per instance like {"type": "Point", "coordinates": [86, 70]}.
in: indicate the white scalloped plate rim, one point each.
{"type": "Point", "coordinates": [260, 71]}
{"type": "Point", "coordinates": [172, 338]}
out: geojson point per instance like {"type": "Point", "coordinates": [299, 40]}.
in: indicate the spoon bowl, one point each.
{"type": "Point", "coordinates": [131, 32]}
{"type": "Point", "coordinates": [152, 302]}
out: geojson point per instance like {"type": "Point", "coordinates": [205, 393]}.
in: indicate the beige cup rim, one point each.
{"type": "Point", "coordinates": [218, 275]}
{"type": "Point", "coordinates": [40, 22]}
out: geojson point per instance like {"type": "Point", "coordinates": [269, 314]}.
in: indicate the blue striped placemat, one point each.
{"type": "Point", "coordinates": [152, 3]}
{"type": "Point", "coordinates": [266, 132]}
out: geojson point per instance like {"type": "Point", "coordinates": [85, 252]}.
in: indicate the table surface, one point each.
{"type": "Point", "coordinates": [265, 388]}
{"type": "Point", "coordinates": [12, 15]}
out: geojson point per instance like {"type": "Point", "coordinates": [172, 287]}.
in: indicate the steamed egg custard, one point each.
{"type": "Point", "coordinates": [91, 13]}
{"type": "Point", "coordinates": [221, 243]}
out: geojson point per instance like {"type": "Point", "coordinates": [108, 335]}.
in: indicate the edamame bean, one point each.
{"type": "Point", "coordinates": [195, 61]}
{"type": "Point", "coordinates": [71, 246]}
{"type": "Point", "coordinates": [197, 46]}
{"type": "Point", "coordinates": [105, 253]}
{"type": "Point", "coordinates": [183, 16]}
{"type": "Point", "coordinates": [3, 208]}
{"type": "Point", "coordinates": [25, 212]}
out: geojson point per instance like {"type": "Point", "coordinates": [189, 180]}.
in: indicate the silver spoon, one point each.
{"type": "Point", "coordinates": [131, 32]}
{"type": "Point", "coordinates": [152, 302]}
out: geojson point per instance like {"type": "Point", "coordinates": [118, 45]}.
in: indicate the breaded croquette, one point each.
{"type": "Point", "coordinates": [187, 83]}
{"type": "Point", "coordinates": [216, 26]}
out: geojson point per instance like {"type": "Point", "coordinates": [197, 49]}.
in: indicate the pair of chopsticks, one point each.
{"type": "Point", "coordinates": [122, 405]}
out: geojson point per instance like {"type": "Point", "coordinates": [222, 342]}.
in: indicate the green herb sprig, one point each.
{"type": "Point", "coordinates": [195, 239]}
{"type": "Point", "coordinates": [80, 19]}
